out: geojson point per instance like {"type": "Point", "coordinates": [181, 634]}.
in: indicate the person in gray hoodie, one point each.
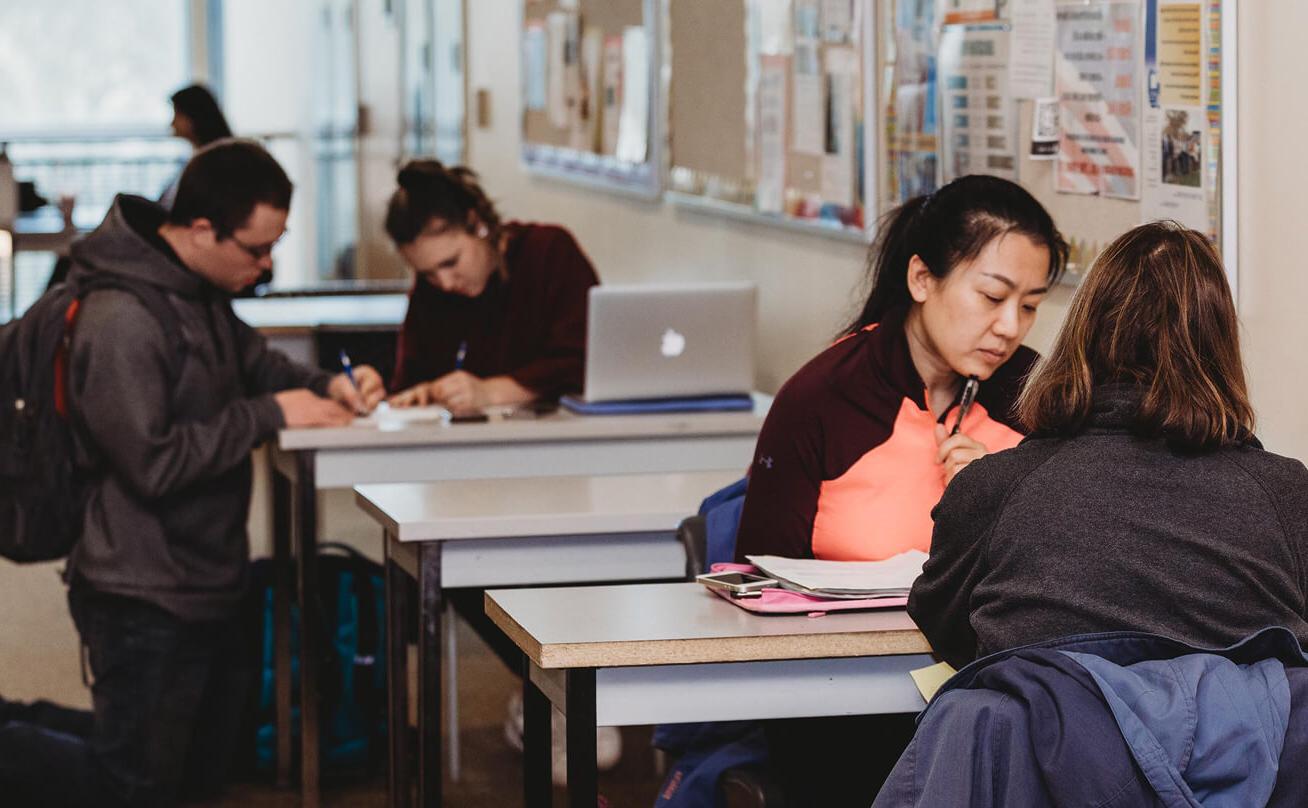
{"type": "Point", "coordinates": [165, 421]}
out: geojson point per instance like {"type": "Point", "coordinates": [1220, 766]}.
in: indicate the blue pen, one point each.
{"type": "Point", "coordinates": [460, 355]}
{"type": "Point", "coordinates": [349, 369]}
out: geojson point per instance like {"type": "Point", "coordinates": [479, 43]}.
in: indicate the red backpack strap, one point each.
{"type": "Point", "coordinates": [61, 361]}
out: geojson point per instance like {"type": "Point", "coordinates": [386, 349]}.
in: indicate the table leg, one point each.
{"type": "Point", "coordinates": [397, 680]}
{"type": "Point", "coordinates": [306, 556]}
{"type": "Point", "coordinates": [283, 585]}
{"type": "Point", "coordinates": [430, 606]}
{"type": "Point", "coordinates": [583, 782]}
{"type": "Point", "coordinates": [537, 785]}
{"type": "Point", "coordinates": [451, 629]}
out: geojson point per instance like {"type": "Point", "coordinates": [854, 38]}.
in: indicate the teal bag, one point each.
{"type": "Point", "coordinates": [352, 669]}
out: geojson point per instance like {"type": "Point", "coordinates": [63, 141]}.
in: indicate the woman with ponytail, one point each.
{"type": "Point", "coordinates": [860, 443]}
{"type": "Point", "coordinates": [497, 315]}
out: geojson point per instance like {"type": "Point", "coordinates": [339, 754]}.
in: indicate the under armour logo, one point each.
{"type": "Point", "coordinates": [765, 462]}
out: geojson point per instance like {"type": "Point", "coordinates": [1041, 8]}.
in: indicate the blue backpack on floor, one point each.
{"type": "Point", "coordinates": [706, 751]}
{"type": "Point", "coordinates": [352, 670]}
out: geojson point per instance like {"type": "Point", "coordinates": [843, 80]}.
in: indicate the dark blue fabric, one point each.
{"type": "Point", "coordinates": [1037, 729]}
{"type": "Point", "coordinates": [706, 750]}
{"type": "Point", "coordinates": [721, 511]}
{"type": "Point", "coordinates": [167, 696]}
{"type": "Point", "coordinates": [710, 750]}
{"type": "Point", "coordinates": [729, 403]}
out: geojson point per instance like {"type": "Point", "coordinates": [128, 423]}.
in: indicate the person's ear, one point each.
{"type": "Point", "coordinates": [920, 280]}
{"type": "Point", "coordinates": [203, 233]}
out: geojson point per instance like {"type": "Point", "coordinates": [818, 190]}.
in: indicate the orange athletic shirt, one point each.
{"type": "Point", "coordinates": [845, 464]}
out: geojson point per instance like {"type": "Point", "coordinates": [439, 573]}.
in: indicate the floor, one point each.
{"type": "Point", "coordinates": [492, 770]}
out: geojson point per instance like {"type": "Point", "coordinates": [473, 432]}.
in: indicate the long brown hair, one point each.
{"type": "Point", "coordinates": [1155, 313]}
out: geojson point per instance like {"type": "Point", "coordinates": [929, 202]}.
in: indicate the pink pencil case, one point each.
{"type": "Point", "coordinates": [776, 600]}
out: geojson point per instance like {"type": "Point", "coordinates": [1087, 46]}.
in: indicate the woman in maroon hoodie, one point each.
{"type": "Point", "coordinates": [497, 315]}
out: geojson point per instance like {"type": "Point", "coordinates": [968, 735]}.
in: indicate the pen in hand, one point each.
{"type": "Point", "coordinates": [349, 369]}
{"type": "Point", "coordinates": [965, 402]}
{"type": "Point", "coordinates": [460, 355]}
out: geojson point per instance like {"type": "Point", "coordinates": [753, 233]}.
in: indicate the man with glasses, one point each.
{"type": "Point", "coordinates": [165, 412]}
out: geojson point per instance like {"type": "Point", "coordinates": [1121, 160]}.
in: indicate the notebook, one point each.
{"type": "Point", "coordinates": [892, 577]}
{"type": "Point", "coordinates": [658, 342]}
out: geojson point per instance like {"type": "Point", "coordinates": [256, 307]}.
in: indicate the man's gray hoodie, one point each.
{"type": "Point", "coordinates": [168, 443]}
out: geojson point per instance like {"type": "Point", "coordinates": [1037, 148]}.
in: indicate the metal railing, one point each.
{"type": "Point", "coordinates": [93, 167]}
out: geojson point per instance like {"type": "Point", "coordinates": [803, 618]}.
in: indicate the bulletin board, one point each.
{"type": "Point", "coordinates": [767, 104]}
{"type": "Point", "coordinates": [1111, 112]}
{"type": "Point", "coordinates": [591, 108]}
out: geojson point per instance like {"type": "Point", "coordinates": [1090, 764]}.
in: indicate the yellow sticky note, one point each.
{"type": "Point", "coordinates": [929, 680]}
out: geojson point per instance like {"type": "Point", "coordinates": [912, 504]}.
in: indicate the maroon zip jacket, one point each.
{"type": "Point", "coordinates": [530, 327]}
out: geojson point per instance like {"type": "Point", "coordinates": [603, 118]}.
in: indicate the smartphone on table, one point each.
{"type": "Point", "coordinates": [739, 584]}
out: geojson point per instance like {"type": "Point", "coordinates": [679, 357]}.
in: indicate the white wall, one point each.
{"type": "Point", "coordinates": [1273, 275]}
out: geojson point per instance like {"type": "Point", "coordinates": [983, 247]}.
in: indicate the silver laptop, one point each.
{"type": "Point", "coordinates": [670, 341]}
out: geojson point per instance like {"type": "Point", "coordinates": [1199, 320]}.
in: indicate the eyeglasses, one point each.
{"type": "Point", "coordinates": [256, 251]}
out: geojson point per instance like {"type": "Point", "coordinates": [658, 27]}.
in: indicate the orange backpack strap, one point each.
{"type": "Point", "coordinates": [61, 361]}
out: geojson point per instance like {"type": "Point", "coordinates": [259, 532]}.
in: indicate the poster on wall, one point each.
{"type": "Point", "coordinates": [807, 85]}
{"type": "Point", "coordinates": [963, 11]}
{"type": "Point", "coordinates": [535, 65]}
{"type": "Point", "coordinates": [840, 157]}
{"type": "Point", "coordinates": [771, 170]}
{"type": "Point", "coordinates": [611, 94]}
{"type": "Point", "coordinates": [1096, 78]}
{"type": "Point", "coordinates": [633, 120]}
{"type": "Point", "coordinates": [1031, 48]}
{"type": "Point", "coordinates": [1176, 182]}
{"type": "Point", "coordinates": [979, 118]}
{"type": "Point", "coordinates": [912, 130]}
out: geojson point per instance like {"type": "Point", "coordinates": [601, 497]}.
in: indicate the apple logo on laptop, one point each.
{"type": "Point", "coordinates": [674, 344]}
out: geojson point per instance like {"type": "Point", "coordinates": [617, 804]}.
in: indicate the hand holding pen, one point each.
{"type": "Point", "coordinates": [956, 448]}
{"type": "Point", "coordinates": [358, 388]}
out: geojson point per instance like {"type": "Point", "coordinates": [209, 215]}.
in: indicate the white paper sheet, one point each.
{"type": "Point", "coordinates": [393, 419]}
{"type": "Point", "coordinates": [633, 126]}
{"type": "Point", "coordinates": [771, 186]}
{"type": "Point", "coordinates": [776, 36]}
{"type": "Point", "coordinates": [535, 65]}
{"type": "Point", "coordinates": [1031, 58]}
{"type": "Point", "coordinates": [837, 20]}
{"type": "Point", "coordinates": [1174, 177]}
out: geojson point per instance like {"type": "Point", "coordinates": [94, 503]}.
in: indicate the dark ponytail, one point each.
{"type": "Point", "coordinates": [946, 228]}
{"type": "Point", "coordinates": [430, 191]}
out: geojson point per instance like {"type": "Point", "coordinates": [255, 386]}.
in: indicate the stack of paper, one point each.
{"type": "Point", "coordinates": [891, 578]}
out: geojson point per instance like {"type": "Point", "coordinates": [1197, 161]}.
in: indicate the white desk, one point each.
{"type": "Point", "coordinates": [510, 532]}
{"type": "Point", "coordinates": [307, 460]}
{"type": "Point", "coordinates": [671, 653]}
